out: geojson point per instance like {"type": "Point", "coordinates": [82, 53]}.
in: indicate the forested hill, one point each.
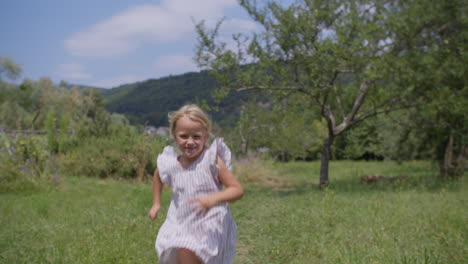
{"type": "Point", "coordinates": [148, 102]}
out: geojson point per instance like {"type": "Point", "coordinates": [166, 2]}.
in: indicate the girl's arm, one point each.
{"type": "Point", "coordinates": [157, 189]}
{"type": "Point", "coordinates": [233, 189]}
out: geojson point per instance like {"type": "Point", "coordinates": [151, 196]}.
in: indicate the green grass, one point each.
{"type": "Point", "coordinates": [419, 220]}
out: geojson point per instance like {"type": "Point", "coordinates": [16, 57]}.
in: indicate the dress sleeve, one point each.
{"type": "Point", "coordinates": [224, 152]}
{"type": "Point", "coordinates": [219, 148]}
{"type": "Point", "coordinates": [164, 161]}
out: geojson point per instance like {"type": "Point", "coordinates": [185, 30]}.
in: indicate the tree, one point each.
{"type": "Point", "coordinates": [352, 60]}
{"type": "Point", "coordinates": [51, 129]}
{"type": "Point", "coordinates": [9, 68]}
{"type": "Point", "coordinates": [448, 80]}
{"type": "Point", "coordinates": [441, 121]}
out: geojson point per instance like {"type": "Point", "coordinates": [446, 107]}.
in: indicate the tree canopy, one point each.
{"type": "Point", "coordinates": [350, 59]}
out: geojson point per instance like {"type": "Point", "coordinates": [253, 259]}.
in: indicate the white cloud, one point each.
{"type": "Point", "coordinates": [200, 9]}
{"type": "Point", "coordinates": [73, 71]}
{"type": "Point", "coordinates": [174, 64]}
{"type": "Point", "coordinates": [116, 81]}
{"type": "Point", "coordinates": [168, 22]}
{"type": "Point", "coordinates": [239, 26]}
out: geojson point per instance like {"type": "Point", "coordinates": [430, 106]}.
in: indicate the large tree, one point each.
{"type": "Point", "coordinates": [350, 59]}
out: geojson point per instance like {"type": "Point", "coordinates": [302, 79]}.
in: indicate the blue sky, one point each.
{"type": "Point", "coordinates": [106, 43]}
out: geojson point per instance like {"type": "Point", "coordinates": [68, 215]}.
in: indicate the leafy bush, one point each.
{"type": "Point", "coordinates": [119, 156]}
{"type": "Point", "coordinates": [25, 164]}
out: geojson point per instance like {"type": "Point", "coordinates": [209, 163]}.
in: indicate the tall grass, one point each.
{"type": "Point", "coordinates": [419, 220]}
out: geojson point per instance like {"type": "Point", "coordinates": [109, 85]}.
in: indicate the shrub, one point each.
{"type": "Point", "coordinates": [119, 156]}
{"type": "Point", "coordinates": [26, 164]}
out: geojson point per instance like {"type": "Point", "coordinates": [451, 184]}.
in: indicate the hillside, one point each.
{"type": "Point", "coordinates": [148, 102]}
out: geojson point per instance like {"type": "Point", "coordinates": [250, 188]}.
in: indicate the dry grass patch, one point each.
{"type": "Point", "coordinates": [254, 170]}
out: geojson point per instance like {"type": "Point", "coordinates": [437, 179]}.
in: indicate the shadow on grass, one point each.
{"type": "Point", "coordinates": [431, 183]}
{"type": "Point", "coordinates": [422, 184]}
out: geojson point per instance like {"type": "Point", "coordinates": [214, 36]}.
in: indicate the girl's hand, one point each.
{"type": "Point", "coordinates": [204, 203]}
{"type": "Point", "coordinates": [153, 212]}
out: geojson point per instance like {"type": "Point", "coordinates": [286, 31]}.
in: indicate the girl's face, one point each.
{"type": "Point", "coordinates": [191, 137]}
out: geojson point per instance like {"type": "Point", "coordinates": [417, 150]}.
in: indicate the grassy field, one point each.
{"type": "Point", "coordinates": [418, 220]}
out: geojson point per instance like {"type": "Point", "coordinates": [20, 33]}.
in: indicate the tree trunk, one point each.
{"type": "Point", "coordinates": [324, 160]}
{"type": "Point", "coordinates": [244, 146]}
{"type": "Point", "coordinates": [447, 163]}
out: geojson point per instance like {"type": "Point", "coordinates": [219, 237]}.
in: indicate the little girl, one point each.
{"type": "Point", "coordinates": [198, 227]}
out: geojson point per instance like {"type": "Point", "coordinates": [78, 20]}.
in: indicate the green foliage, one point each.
{"type": "Point", "coordinates": [12, 115]}
{"type": "Point", "coordinates": [51, 129]}
{"type": "Point", "coordinates": [122, 156]}
{"type": "Point", "coordinates": [35, 103]}
{"type": "Point", "coordinates": [81, 137]}
{"type": "Point", "coordinates": [104, 221]}
{"type": "Point", "coordinates": [287, 130]}
{"type": "Point", "coordinates": [25, 164]}
{"type": "Point", "coordinates": [389, 137]}
{"type": "Point", "coordinates": [298, 134]}
{"type": "Point", "coordinates": [64, 141]}
{"type": "Point", "coordinates": [9, 68]}
{"type": "Point", "coordinates": [441, 119]}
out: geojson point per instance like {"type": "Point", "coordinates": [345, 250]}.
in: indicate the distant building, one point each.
{"type": "Point", "coordinates": [157, 131]}
{"type": "Point", "coordinates": [150, 130]}
{"type": "Point", "coordinates": [163, 131]}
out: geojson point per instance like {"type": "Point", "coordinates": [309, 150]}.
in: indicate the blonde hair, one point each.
{"type": "Point", "coordinates": [194, 113]}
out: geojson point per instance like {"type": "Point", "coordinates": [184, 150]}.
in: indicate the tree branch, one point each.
{"type": "Point", "coordinates": [337, 96]}
{"type": "Point", "coordinates": [380, 111]}
{"type": "Point", "coordinates": [359, 100]}
{"type": "Point", "coordinates": [328, 114]}
{"type": "Point", "coordinates": [357, 104]}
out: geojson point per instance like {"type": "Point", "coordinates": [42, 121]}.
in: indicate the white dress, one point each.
{"type": "Point", "coordinates": [210, 235]}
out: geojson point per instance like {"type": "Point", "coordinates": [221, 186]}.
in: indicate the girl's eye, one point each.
{"type": "Point", "coordinates": [183, 136]}
{"type": "Point", "coordinates": [196, 137]}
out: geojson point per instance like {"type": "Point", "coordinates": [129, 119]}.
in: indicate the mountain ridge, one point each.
{"type": "Point", "coordinates": [148, 102]}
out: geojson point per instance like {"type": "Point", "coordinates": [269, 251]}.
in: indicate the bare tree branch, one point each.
{"type": "Point", "coordinates": [359, 100]}
{"type": "Point", "coordinates": [348, 120]}
{"type": "Point", "coordinates": [328, 114]}
{"type": "Point", "coordinates": [338, 101]}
